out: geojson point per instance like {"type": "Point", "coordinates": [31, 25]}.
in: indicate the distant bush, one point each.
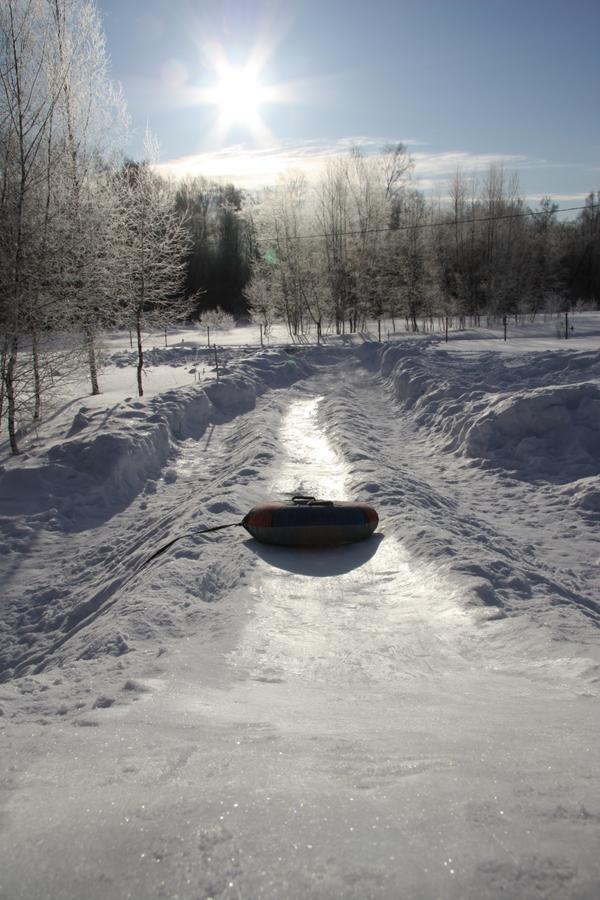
{"type": "Point", "coordinates": [216, 318]}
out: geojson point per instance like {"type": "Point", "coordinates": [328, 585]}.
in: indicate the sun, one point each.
{"type": "Point", "coordinates": [238, 95]}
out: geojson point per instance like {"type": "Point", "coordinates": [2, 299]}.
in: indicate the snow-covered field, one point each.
{"type": "Point", "coordinates": [414, 716]}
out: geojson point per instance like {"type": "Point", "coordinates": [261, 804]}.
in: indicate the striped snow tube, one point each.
{"type": "Point", "coordinates": [306, 522]}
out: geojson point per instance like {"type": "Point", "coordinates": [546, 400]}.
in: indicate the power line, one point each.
{"type": "Point", "coordinates": [454, 222]}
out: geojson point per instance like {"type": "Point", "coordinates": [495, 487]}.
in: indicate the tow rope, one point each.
{"type": "Point", "coordinates": [186, 534]}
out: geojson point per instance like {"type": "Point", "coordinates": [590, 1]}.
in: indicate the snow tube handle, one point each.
{"type": "Point", "coordinates": [302, 500]}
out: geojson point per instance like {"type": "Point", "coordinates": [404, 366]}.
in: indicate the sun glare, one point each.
{"type": "Point", "coordinates": [238, 96]}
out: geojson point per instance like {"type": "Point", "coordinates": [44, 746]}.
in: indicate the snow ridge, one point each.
{"type": "Point", "coordinates": [107, 457]}
{"type": "Point", "coordinates": [493, 524]}
{"type": "Point", "coordinates": [107, 460]}
{"type": "Point", "coordinates": [536, 417]}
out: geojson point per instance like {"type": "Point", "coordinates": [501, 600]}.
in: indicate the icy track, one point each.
{"type": "Point", "coordinates": [408, 717]}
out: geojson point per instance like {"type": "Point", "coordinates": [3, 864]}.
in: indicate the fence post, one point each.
{"type": "Point", "coordinates": [379, 329]}
{"type": "Point", "coordinates": [216, 361]}
{"type": "Point", "coordinates": [446, 329]}
{"type": "Point", "coordinates": [504, 322]}
{"type": "Point", "coordinates": [566, 326]}
{"type": "Point", "coordinates": [208, 334]}
{"type": "Point", "coordinates": [261, 335]}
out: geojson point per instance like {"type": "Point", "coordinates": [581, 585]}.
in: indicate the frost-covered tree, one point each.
{"type": "Point", "coordinates": [260, 300]}
{"type": "Point", "coordinates": [335, 223]}
{"type": "Point", "coordinates": [91, 120]}
{"type": "Point", "coordinates": [152, 244]}
{"type": "Point", "coordinates": [57, 115]}
{"type": "Point", "coordinates": [323, 248]}
{"type": "Point", "coordinates": [287, 279]}
{"type": "Point", "coordinates": [28, 98]}
{"type": "Point", "coordinates": [413, 256]}
{"type": "Point", "coordinates": [356, 200]}
{"type": "Point", "coordinates": [482, 260]}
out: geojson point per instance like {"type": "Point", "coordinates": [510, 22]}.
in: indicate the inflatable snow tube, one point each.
{"type": "Point", "coordinates": [306, 522]}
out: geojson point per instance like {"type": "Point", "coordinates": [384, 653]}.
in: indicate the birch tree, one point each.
{"type": "Point", "coordinates": [356, 198]}
{"type": "Point", "coordinates": [153, 245]}
{"type": "Point", "coordinates": [92, 122]}
{"type": "Point", "coordinates": [289, 259]}
{"type": "Point", "coordinates": [27, 103]}
{"type": "Point", "coordinates": [334, 221]}
{"type": "Point", "coordinates": [57, 118]}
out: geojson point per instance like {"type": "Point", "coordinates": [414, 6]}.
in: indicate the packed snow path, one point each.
{"type": "Point", "coordinates": [336, 726]}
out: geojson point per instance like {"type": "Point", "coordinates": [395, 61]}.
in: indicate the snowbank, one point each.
{"type": "Point", "coordinates": [552, 433]}
{"type": "Point", "coordinates": [536, 417]}
{"type": "Point", "coordinates": [107, 456]}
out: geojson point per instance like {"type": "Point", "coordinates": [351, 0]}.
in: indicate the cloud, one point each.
{"type": "Point", "coordinates": [255, 167]}
{"type": "Point", "coordinates": [560, 198]}
{"type": "Point", "coordinates": [447, 163]}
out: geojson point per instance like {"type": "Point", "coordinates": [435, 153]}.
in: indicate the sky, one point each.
{"type": "Point", "coordinates": [244, 90]}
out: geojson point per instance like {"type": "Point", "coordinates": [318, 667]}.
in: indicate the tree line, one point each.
{"type": "Point", "coordinates": [90, 239]}
{"type": "Point", "coordinates": [363, 243]}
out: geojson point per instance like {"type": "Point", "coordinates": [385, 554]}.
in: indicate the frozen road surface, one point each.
{"type": "Point", "coordinates": [338, 727]}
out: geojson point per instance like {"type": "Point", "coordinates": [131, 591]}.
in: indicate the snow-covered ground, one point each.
{"type": "Point", "coordinates": [412, 716]}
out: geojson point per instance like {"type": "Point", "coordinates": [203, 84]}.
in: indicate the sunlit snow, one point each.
{"type": "Point", "coordinates": [415, 715]}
